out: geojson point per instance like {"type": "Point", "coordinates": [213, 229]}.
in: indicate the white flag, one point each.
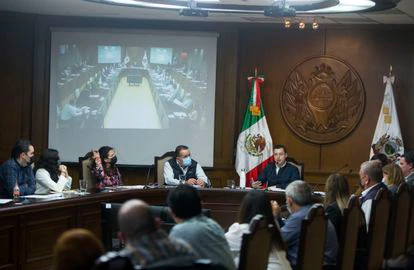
{"type": "Point", "coordinates": [387, 138]}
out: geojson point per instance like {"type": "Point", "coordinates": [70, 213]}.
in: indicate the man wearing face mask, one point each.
{"type": "Point", "coordinates": [299, 201]}
{"type": "Point", "coordinates": [16, 174]}
{"type": "Point", "coordinates": [188, 168]}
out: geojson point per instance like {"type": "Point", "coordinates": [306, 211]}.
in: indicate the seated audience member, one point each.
{"type": "Point", "coordinates": [256, 202]}
{"type": "Point", "coordinates": [146, 243]}
{"type": "Point", "coordinates": [76, 249]}
{"type": "Point", "coordinates": [204, 235]}
{"type": "Point", "coordinates": [370, 175]}
{"type": "Point", "coordinates": [182, 164]}
{"type": "Point", "coordinates": [299, 202]}
{"type": "Point", "coordinates": [50, 176]}
{"type": "Point", "coordinates": [104, 168]}
{"type": "Point", "coordinates": [16, 173]}
{"type": "Point", "coordinates": [393, 176]}
{"type": "Point", "coordinates": [278, 173]}
{"type": "Point", "coordinates": [381, 157]}
{"type": "Point", "coordinates": [407, 166]}
{"type": "Point", "coordinates": [336, 199]}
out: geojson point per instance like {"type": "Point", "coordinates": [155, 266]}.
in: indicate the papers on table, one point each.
{"type": "Point", "coordinates": [274, 188]}
{"type": "Point", "coordinates": [132, 187]}
{"type": "Point", "coordinates": [44, 197]}
{"type": "Point", "coordinates": [4, 201]}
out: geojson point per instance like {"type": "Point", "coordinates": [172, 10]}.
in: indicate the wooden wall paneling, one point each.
{"type": "Point", "coordinates": [226, 81]}
{"type": "Point", "coordinates": [16, 46]}
{"type": "Point", "coordinates": [41, 230]}
{"type": "Point", "coordinates": [89, 217]}
{"type": "Point", "coordinates": [9, 243]}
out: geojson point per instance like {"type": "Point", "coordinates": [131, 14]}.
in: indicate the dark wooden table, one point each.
{"type": "Point", "coordinates": [29, 231]}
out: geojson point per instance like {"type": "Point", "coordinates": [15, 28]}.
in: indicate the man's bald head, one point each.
{"type": "Point", "coordinates": [135, 219]}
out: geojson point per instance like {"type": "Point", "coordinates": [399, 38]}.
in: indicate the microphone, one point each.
{"type": "Point", "coordinates": [147, 180]}
{"type": "Point", "coordinates": [341, 168]}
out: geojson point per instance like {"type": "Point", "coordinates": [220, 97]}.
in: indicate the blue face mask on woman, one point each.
{"type": "Point", "coordinates": [186, 161]}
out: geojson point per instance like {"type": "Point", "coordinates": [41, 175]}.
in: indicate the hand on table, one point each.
{"type": "Point", "coordinates": [276, 210]}
{"type": "Point", "coordinates": [256, 184]}
{"type": "Point", "coordinates": [191, 181]}
{"type": "Point", "coordinates": [200, 182]}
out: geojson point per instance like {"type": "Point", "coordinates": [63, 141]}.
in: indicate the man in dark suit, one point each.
{"type": "Point", "coordinates": [278, 173]}
{"type": "Point", "coordinates": [407, 166]}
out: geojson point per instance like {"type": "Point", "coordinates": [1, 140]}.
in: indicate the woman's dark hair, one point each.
{"type": "Point", "coordinates": [337, 190]}
{"type": "Point", "coordinates": [257, 202]}
{"type": "Point", "coordinates": [103, 154]}
{"type": "Point", "coordinates": [48, 160]}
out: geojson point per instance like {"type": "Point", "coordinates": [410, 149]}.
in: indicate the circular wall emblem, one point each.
{"type": "Point", "coordinates": [322, 100]}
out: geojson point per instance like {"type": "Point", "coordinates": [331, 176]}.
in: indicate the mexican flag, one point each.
{"type": "Point", "coordinates": [254, 146]}
{"type": "Point", "coordinates": [387, 138]}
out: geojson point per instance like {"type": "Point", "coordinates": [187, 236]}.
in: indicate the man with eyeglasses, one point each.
{"type": "Point", "coordinates": [185, 169]}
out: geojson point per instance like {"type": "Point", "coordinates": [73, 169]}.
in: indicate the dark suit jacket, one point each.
{"type": "Point", "coordinates": [335, 216]}
{"type": "Point", "coordinates": [286, 175]}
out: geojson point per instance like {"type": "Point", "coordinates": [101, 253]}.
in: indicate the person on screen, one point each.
{"type": "Point", "coordinates": [183, 165]}
{"type": "Point", "coordinates": [51, 176]}
{"type": "Point", "coordinates": [16, 173]}
{"type": "Point", "coordinates": [278, 173]}
{"type": "Point", "coordinates": [204, 235]}
{"type": "Point", "coordinates": [104, 168]}
{"type": "Point", "coordinates": [257, 203]}
{"type": "Point", "coordinates": [71, 113]}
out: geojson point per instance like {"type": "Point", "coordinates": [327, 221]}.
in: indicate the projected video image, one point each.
{"type": "Point", "coordinates": [144, 89]}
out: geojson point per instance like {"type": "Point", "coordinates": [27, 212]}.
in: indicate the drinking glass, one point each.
{"type": "Point", "coordinates": [231, 183]}
{"type": "Point", "coordinates": [181, 178]}
{"type": "Point", "coordinates": [82, 186]}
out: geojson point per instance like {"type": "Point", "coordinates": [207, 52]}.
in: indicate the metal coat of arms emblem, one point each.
{"type": "Point", "coordinates": [322, 100]}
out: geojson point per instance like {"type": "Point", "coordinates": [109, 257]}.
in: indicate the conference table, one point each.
{"type": "Point", "coordinates": [29, 228]}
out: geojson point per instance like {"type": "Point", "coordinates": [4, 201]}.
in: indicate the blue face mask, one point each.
{"type": "Point", "coordinates": [186, 161]}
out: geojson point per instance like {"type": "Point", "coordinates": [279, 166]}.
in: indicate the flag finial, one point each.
{"type": "Point", "coordinates": [390, 70]}
{"type": "Point", "coordinates": [255, 72]}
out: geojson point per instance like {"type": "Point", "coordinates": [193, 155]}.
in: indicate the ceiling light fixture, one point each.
{"type": "Point", "coordinates": [279, 8]}
{"type": "Point", "coordinates": [302, 24]}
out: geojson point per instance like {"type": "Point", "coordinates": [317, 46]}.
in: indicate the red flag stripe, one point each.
{"type": "Point", "coordinates": [253, 174]}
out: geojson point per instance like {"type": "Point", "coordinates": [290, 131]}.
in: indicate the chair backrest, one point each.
{"type": "Point", "coordinates": [312, 239]}
{"type": "Point", "coordinates": [348, 235]}
{"type": "Point", "coordinates": [410, 230]}
{"type": "Point", "coordinates": [399, 218]}
{"type": "Point", "coordinates": [377, 231]}
{"type": "Point", "coordinates": [256, 245]}
{"type": "Point", "coordinates": [85, 164]}
{"type": "Point", "coordinates": [298, 165]}
{"type": "Point", "coordinates": [159, 167]}
{"type": "Point", "coordinates": [110, 226]}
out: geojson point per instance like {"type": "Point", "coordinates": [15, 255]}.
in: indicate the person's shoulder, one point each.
{"type": "Point", "coordinates": [41, 172]}
{"type": "Point", "coordinates": [8, 163]}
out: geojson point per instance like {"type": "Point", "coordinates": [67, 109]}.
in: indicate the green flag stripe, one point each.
{"type": "Point", "coordinates": [250, 119]}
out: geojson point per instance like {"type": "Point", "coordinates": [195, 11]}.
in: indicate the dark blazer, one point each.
{"type": "Point", "coordinates": [286, 175]}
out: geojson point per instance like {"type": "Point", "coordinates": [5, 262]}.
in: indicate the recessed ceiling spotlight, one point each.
{"type": "Point", "coordinates": [302, 24]}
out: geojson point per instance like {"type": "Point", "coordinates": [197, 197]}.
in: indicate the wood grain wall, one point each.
{"type": "Point", "coordinates": [24, 83]}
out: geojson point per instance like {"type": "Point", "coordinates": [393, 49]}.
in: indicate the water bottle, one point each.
{"type": "Point", "coordinates": [16, 192]}
{"type": "Point", "coordinates": [242, 175]}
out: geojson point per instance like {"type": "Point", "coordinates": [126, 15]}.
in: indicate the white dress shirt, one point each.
{"type": "Point", "coordinates": [169, 174]}
{"type": "Point", "coordinates": [367, 205]}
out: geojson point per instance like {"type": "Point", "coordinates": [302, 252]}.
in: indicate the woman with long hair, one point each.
{"type": "Point", "coordinates": [51, 177]}
{"type": "Point", "coordinates": [104, 168]}
{"type": "Point", "coordinates": [336, 199]}
{"type": "Point", "coordinates": [76, 249]}
{"type": "Point", "coordinates": [257, 202]}
{"type": "Point", "coordinates": [393, 176]}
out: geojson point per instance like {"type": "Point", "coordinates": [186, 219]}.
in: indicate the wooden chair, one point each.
{"type": "Point", "coordinates": [298, 165]}
{"type": "Point", "coordinates": [84, 166]}
{"type": "Point", "coordinates": [159, 167]}
{"type": "Point", "coordinates": [312, 239]}
{"type": "Point", "coordinates": [377, 231]}
{"type": "Point", "coordinates": [349, 234]}
{"type": "Point", "coordinates": [410, 229]}
{"type": "Point", "coordinates": [256, 245]}
{"type": "Point", "coordinates": [399, 218]}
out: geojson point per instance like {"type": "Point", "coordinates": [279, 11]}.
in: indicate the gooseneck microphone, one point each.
{"type": "Point", "coordinates": [147, 180]}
